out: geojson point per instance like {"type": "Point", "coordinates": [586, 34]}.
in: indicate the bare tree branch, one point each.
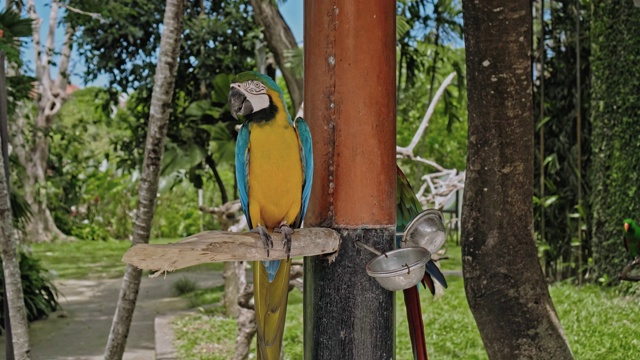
{"type": "Point", "coordinates": [624, 275]}
{"type": "Point", "coordinates": [49, 43]}
{"type": "Point", "coordinates": [420, 159]}
{"type": "Point", "coordinates": [442, 184]}
{"type": "Point", "coordinates": [35, 25]}
{"type": "Point", "coordinates": [63, 76]}
{"type": "Point", "coordinates": [90, 14]}
{"type": "Point", "coordinates": [408, 151]}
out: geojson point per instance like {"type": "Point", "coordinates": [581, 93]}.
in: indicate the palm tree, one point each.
{"type": "Point", "coordinates": [13, 27]}
{"type": "Point", "coordinates": [164, 81]}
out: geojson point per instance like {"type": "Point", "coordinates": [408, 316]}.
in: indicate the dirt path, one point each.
{"type": "Point", "coordinates": [80, 331]}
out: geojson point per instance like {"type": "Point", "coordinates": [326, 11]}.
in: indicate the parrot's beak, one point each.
{"type": "Point", "coordinates": [626, 226]}
{"type": "Point", "coordinates": [238, 103]}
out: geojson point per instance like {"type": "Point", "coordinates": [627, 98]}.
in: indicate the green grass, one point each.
{"type": "Point", "coordinates": [92, 259]}
{"type": "Point", "coordinates": [196, 340]}
{"type": "Point", "coordinates": [205, 297]}
{"type": "Point", "coordinates": [598, 322]}
{"type": "Point", "coordinates": [183, 286]}
{"type": "Point", "coordinates": [451, 332]}
{"type": "Point", "coordinates": [454, 261]}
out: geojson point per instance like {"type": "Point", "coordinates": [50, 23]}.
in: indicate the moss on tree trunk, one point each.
{"type": "Point", "coordinates": [615, 121]}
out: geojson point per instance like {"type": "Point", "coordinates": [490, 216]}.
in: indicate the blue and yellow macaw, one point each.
{"type": "Point", "coordinates": [407, 208]}
{"type": "Point", "coordinates": [274, 170]}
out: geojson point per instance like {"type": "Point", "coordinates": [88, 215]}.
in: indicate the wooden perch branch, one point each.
{"type": "Point", "coordinates": [214, 246]}
{"type": "Point", "coordinates": [624, 275]}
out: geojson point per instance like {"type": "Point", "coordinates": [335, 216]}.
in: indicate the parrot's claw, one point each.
{"type": "Point", "coordinates": [266, 238]}
{"type": "Point", "coordinates": [286, 232]}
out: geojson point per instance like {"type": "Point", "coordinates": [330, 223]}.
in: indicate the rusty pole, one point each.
{"type": "Point", "coordinates": [350, 106]}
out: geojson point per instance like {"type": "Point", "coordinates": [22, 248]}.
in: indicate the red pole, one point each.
{"type": "Point", "coordinates": [350, 106]}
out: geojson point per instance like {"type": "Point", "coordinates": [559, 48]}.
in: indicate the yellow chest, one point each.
{"type": "Point", "coordinates": [275, 174]}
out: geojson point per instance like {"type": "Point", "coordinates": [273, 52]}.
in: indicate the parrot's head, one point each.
{"type": "Point", "coordinates": [628, 225]}
{"type": "Point", "coordinates": [255, 97]}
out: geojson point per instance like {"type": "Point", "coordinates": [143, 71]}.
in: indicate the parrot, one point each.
{"type": "Point", "coordinates": [632, 237]}
{"type": "Point", "coordinates": [274, 171]}
{"type": "Point", "coordinates": [407, 208]}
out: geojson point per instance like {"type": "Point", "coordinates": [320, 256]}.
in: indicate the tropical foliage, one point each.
{"type": "Point", "coordinates": [564, 248]}
{"type": "Point", "coordinates": [429, 41]}
{"type": "Point", "coordinates": [97, 139]}
{"type": "Point", "coordinates": [615, 109]}
{"type": "Point", "coordinates": [40, 294]}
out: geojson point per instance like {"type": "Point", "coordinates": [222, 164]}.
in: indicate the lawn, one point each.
{"type": "Point", "coordinates": [91, 259]}
{"type": "Point", "coordinates": [598, 322]}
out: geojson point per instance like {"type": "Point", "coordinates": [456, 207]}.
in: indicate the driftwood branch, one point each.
{"type": "Point", "coordinates": [624, 275]}
{"type": "Point", "coordinates": [214, 246]}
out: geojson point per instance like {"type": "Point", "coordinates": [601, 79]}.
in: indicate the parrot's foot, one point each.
{"type": "Point", "coordinates": [266, 238]}
{"type": "Point", "coordinates": [286, 237]}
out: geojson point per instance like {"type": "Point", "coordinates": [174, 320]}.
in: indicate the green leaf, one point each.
{"type": "Point", "coordinates": [543, 122]}
{"type": "Point", "coordinates": [221, 85]}
{"type": "Point", "coordinates": [550, 200]}
{"type": "Point", "coordinates": [198, 108]}
{"type": "Point", "coordinates": [181, 158]}
{"type": "Point", "coordinates": [402, 26]}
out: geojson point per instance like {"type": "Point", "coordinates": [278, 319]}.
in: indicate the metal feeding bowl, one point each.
{"type": "Point", "coordinates": [399, 269]}
{"type": "Point", "coordinates": [426, 230]}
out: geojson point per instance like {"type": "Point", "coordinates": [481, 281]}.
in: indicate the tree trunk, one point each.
{"type": "Point", "coordinates": [229, 214]}
{"type": "Point", "coordinates": [615, 106]}
{"type": "Point", "coordinates": [11, 268]}
{"type": "Point", "coordinates": [246, 316]}
{"type": "Point", "coordinates": [16, 322]}
{"type": "Point", "coordinates": [211, 163]}
{"type": "Point", "coordinates": [33, 153]}
{"type": "Point", "coordinates": [41, 227]}
{"type": "Point", "coordinates": [164, 82]}
{"type": "Point", "coordinates": [279, 39]}
{"type": "Point", "coordinates": [231, 288]}
{"type": "Point", "coordinates": [505, 287]}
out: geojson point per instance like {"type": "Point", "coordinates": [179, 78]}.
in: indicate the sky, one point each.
{"type": "Point", "coordinates": [291, 11]}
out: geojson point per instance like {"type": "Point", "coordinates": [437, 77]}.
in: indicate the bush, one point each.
{"type": "Point", "coordinates": [184, 286]}
{"type": "Point", "coordinates": [40, 295]}
{"type": "Point", "coordinates": [90, 231]}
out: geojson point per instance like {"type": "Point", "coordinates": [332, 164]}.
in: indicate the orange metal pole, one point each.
{"type": "Point", "coordinates": [350, 106]}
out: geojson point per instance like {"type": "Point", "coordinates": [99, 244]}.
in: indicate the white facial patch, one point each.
{"type": "Point", "coordinates": [256, 93]}
{"type": "Point", "coordinates": [254, 87]}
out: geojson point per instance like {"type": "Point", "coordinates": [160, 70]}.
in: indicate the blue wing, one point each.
{"type": "Point", "coordinates": [306, 155]}
{"type": "Point", "coordinates": [435, 273]}
{"type": "Point", "coordinates": [242, 170]}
